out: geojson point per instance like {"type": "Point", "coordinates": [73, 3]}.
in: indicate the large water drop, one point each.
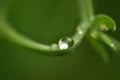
{"type": "Point", "coordinates": [65, 43]}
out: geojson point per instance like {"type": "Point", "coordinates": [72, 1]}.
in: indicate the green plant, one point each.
{"type": "Point", "coordinates": [93, 27]}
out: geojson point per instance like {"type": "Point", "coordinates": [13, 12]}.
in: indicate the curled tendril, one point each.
{"type": "Point", "coordinates": [104, 22]}
{"type": "Point", "coordinates": [92, 27]}
{"type": "Point", "coordinates": [100, 24]}
{"type": "Point", "coordinates": [12, 35]}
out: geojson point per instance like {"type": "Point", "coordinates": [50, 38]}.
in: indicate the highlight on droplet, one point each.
{"type": "Point", "coordinates": [65, 43]}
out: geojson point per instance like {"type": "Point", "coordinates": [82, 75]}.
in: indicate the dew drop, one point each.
{"type": "Point", "coordinates": [80, 30]}
{"type": "Point", "coordinates": [113, 45]}
{"type": "Point", "coordinates": [54, 46]}
{"type": "Point", "coordinates": [94, 34]}
{"type": "Point", "coordinates": [65, 43]}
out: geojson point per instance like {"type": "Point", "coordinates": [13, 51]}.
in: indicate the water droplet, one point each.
{"type": "Point", "coordinates": [113, 45]}
{"type": "Point", "coordinates": [65, 42]}
{"type": "Point", "coordinates": [94, 34]}
{"type": "Point", "coordinates": [54, 46]}
{"type": "Point", "coordinates": [79, 30]}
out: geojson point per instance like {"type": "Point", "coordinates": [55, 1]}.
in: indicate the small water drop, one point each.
{"type": "Point", "coordinates": [65, 42]}
{"type": "Point", "coordinates": [80, 30]}
{"type": "Point", "coordinates": [94, 34]}
{"type": "Point", "coordinates": [54, 46]}
{"type": "Point", "coordinates": [113, 45]}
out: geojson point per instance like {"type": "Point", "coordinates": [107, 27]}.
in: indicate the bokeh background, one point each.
{"type": "Point", "coordinates": [46, 21]}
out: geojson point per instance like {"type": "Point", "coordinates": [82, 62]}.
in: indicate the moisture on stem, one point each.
{"type": "Point", "coordinates": [86, 13]}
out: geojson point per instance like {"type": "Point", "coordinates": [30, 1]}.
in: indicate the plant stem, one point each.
{"type": "Point", "coordinates": [12, 35]}
{"type": "Point", "coordinates": [110, 41]}
{"type": "Point", "coordinates": [86, 15]}
{"type": "Point", "coordinates": [99, 48]}
{"type": "Point", "coordinates": [85, 10]}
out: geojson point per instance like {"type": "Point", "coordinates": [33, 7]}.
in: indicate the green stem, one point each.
{"type": "Point", "coordinates": [12, 35]}
{"type": "Point", "coordinates": [99, 48]}
{"type": "Point", "coordinates": [86, 13]}
{"type": "Point", "coordinates": [110, 41]}
{"type": "Point", "coordinates": [85, 10]}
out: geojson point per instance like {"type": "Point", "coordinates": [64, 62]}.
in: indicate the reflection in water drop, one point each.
{"type": "Point", "coordinates": [65, 42]}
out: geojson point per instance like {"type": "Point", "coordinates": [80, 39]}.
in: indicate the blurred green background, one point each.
{"type": "Point", "coordinates": [46, 21]}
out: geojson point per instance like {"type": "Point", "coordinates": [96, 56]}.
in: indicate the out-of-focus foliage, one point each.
{"type": "Point", "coordinates": [46, 21]}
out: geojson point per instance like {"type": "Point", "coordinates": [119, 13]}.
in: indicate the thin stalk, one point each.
{"type": "Point", "coordinates": [86, 13]}
{"type": "Point", "coordinates": [85, 10]}
{"type": "Point", "coordinates": [13, 36]}
{"type": "Point", "coordinates": [110, 41]}
{"type": "Point", "coordinates": [99, 48]}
